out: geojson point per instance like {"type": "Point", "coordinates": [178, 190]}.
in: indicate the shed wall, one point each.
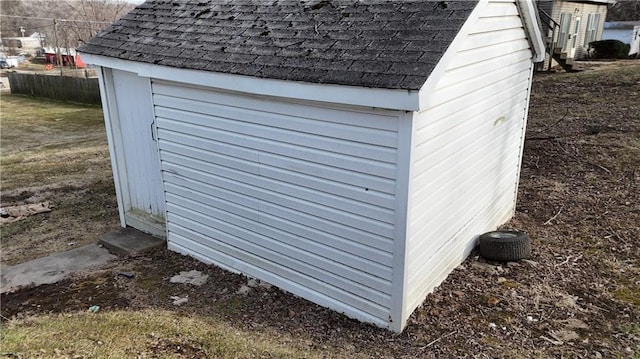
{"type": "Point", "coordinates": [467, 149]}
{"type": "Point", "coordinates": [299, 194]}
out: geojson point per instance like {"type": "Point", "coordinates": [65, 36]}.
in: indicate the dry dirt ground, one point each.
{"type": "Point", "coordinates": [577, 297]}
{"type": "Point", "coordinates": [57, 152]}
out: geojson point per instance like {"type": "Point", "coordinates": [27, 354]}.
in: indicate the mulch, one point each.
{"type": "Point", "coordinates": [577, 296]}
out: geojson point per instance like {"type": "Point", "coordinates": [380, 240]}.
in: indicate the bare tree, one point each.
{"type": "Point", "coordinates": [20, 13]}
{"type": "Point", "coordinates": [78, 20]}
{"type": "Point", "coordinates": [91, 16]}
{"type": "Point", "coordinates": [9, 25]}
{"type": "Point", "coordinates": [624, 10]}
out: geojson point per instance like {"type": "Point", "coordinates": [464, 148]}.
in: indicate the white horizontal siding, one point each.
{"type": "Point", "coordinates": [281, 176]}
{"type": "Point", "coordinates": [515, 72]}
{"type": "Point", "coordinates": [271, 273]}
{"type": "Point", "coordinates": [497, 9]}
{"type": "Point", "coordinates": [363, 117]}
{"type": "Point", "coordinates": [347, 144]}
{"type": "Point", "coordinates": [277, 251]}
{"type": "Point", "coordinates": [263, 199]}
{"type": "Point", "coordinates": [456, 249]}
{"type": "Point", "coordinates": [179, 129]}
{"type": "Point", "coordinates": [482, 54]}
{"type": "Point", "coordinates": [301, 191]}
{"type": "Point", "coordinates": [436, 187]}
{"type": "Point", "coordinates": [457, 197]}
{"type": "Point", "coordinates": [454, 144]}
{"type": "Point", "coordinates": [373, 261]}
{"type": "Point", "coordinates": [497, 23]}
{"type": "Point", "coordinates": [466, 153]}
{"type": "Point", "coordinates": [312, 202]}
{"type": "Point", "coordinates": [233, 156]}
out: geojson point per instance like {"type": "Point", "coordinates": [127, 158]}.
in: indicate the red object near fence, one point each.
{"type": "Point", "coordinates": [67, 60]}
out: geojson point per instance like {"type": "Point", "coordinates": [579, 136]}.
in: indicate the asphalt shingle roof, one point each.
{"type": "Point", "coordinates": [374, 43]}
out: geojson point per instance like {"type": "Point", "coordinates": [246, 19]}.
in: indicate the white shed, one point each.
{"type": "Point", "coordinates": [349, 152]}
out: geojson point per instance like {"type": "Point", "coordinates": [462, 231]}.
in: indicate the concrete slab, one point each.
{"type": "Point", "coordinates": [130, 242]}
{"type": "Point", "coordinates": [53, 268]}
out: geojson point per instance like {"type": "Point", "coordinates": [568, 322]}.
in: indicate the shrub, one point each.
{"type": "Point", "coordinates": [609, 49]}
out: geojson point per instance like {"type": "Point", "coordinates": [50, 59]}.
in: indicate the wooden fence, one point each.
{"type": "Point", "coordinates": [64, 88]}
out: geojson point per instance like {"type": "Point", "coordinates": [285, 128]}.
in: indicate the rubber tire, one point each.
{"type": "Point", "coordinates": [505, 246]}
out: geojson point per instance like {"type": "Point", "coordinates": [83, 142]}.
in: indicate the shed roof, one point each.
{"type": "Point", "coordinates": [372, 43]}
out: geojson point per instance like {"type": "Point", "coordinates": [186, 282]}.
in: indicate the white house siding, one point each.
{"type": "Point", "coordinates": [629, 34]}
{"type": "Point", "coordinates": [624, 35]}
{"type": "Point", "coordinates": [582, 10]}
{"type": "Point", "coordinates": [467, 149]}
{"type": "Point", "coordinates": [297, 194]}
{"type": "Point", "coordinates": [137, 160]}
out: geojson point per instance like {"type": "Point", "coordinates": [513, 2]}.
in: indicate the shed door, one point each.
{"type": "Point", "coordinates": [137, 154]}
{"type": "Point", "coordinates": [297, 194]}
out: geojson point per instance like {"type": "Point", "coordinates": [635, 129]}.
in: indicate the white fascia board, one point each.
{"type": "Point", "coordinates": [346, 95]}
{"type": "Point", "coordinates": [529, 13]}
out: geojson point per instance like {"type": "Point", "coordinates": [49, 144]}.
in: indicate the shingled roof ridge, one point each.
{"type": "Point", "coordinates": [388, 43]}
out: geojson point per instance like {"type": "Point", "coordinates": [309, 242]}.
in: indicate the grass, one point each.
{"type": "Point", "coordinates": [46, 142]}
{"type": "Point", "coordinates": [142, 334]}
{"type": "Point", "coordinates": [630, 294]}
{"type": "Point", "coordinates": [29, 66]}
{"type": "Point", "coordinates": [54, 151]}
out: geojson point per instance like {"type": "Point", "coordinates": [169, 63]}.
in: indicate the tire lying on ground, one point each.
{"type": "Point", "coordinates": [505, 246]}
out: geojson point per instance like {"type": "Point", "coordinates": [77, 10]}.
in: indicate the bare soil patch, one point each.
{"type": "Point", "coordinates": [578, 296]}
{"type": "Point", "coordinates": [66, 296]}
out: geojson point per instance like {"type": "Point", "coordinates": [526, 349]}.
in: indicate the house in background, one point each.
{"type": "Point", "coordinates": [28, 45]}
{"type": "Point", "coordinates": [625, 31]}
{"type": "Point", "coordinates": [348, 152]}
{"type": "Point", "coordinates": [569, 26]}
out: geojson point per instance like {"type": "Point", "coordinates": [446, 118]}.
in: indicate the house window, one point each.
{"type": "Point", "coordinates": [565, 23]}
{"type": "Point", "coordinates": [593, 21]}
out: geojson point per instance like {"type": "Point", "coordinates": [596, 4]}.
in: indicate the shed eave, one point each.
{"type": "Point", "coordinates": [392, 99]}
